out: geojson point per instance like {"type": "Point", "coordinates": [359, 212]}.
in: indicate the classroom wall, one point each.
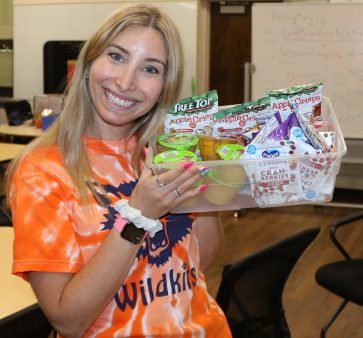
{"type": "Point", "coordinates": [37, 21]}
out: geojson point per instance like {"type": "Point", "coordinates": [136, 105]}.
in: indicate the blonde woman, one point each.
{"type": "Point", "coordinates": [93, 235]}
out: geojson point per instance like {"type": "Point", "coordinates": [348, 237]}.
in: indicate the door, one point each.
{"type": "Point", "coordinates": [230, 48]}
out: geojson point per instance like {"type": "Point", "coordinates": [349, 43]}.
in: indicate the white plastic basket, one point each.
{"type": "Point", "coordinates": [291, 180]}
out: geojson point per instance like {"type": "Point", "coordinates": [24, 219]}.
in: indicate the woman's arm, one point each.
{"type": "Point", "coordinates": [73, 301]}
{"type": "Point", "coordinates": [210, 237]}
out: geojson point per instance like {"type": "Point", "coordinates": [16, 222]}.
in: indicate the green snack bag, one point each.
{"type": "Point", "coordinates": [306, 98]}
{"type": "Point", "coordinates": [193, 114]}
{"type": "Point", "coordinates": [240, 121]}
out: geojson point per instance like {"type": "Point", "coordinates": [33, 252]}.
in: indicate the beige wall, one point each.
{"type": "Point", "coordinates": [45, 22]}
{"type": "Point", "coordinates": [51, 2]}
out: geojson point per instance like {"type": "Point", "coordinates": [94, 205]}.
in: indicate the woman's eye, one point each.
{"type": "Point", "coordinates": [151, 70]}
{"type": "Point", "coordinates": [116, 56]}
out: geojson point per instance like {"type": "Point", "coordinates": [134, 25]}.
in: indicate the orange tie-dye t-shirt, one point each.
{"type": "Point", "coordinates": [164, 294]}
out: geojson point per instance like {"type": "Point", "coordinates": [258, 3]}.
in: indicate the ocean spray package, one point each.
{"type": "Point", "coordinates": [307, 98]}
{"type": "Point", "coordinates": [192, 114]}
{"type": "Point", "coordinates": [276, 180]}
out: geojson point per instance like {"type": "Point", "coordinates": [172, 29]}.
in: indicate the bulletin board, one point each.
{"type": "Point", "coordinates": [301, 43]}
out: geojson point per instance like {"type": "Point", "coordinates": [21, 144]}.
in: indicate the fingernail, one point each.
{"type": "Point", "coordinates": [204, 171]}
{"type": "Point", "coordinates": [187, 165]}
{"type": "Point", "coordinates": [203, 187]}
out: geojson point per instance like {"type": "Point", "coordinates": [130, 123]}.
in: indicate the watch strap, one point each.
{"type": "Point", "coordinates": [129, 230]}
{"type": "Point", "coordinates": [119, 224]}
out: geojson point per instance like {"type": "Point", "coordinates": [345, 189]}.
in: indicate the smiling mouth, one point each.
{"type": "Point", "coordinates": [119, 102]}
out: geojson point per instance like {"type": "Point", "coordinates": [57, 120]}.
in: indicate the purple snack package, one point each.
{"type": "Point", "coordinates": [282, 132]}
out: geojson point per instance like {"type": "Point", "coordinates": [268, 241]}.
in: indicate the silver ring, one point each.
{"type": "Point", "coordinates": [177, 192]}
{"type": "Point", "coordinates": [161, 184]}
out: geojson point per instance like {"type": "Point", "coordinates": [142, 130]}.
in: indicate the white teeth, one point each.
{"type": "Point", "coordinates": [115, 100]}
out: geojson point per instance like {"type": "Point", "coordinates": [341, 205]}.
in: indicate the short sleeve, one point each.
{"type": "Point", "coordinates": [41, 203]}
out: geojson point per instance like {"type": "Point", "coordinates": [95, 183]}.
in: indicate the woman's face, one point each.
{"type": "Point", "coordinates": [126, 80]}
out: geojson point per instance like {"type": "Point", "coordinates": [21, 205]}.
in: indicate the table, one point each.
{"type": "Point", "coordinates": [9, 150]}
{"type": "Point", "coordinates": [22, 130]}
{"type": "Point", "coordinates": [16, 294]}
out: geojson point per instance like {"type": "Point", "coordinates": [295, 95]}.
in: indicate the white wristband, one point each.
{"type": "Point", "coordinates": [152, 226]}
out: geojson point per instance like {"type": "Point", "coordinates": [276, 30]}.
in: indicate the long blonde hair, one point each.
{"type": "Point", "coordinates": [66, 133]}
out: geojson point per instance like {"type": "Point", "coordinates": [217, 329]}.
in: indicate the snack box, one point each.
{"type": "Point", "coordinates": [267, 182]}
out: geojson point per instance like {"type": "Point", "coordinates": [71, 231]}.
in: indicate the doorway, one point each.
{"type": "Point", "coordinates": [230, 48]}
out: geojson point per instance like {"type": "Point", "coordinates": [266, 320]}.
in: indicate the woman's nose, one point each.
{"type": "Point", "coordinates": [126, 79]}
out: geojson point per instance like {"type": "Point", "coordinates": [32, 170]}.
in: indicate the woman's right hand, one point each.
{"type": "Point", "coordinates": [156, 195]}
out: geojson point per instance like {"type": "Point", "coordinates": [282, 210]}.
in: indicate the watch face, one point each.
{"type": "Point", "coordinates": [132, 233]}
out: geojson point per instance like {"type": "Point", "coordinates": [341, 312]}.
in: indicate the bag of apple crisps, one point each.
{"type": "Point", "coordinates": [192, 114]}
{"type": "Point", "coordinates": [240, 121]}
{"type": "Point", "coordinates": [307, 98]}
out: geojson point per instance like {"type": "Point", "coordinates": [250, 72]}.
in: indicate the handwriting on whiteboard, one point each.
{"type": "Point", "coordinates": [305, 43]}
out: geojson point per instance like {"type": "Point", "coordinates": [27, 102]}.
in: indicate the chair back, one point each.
{"type": "Point", "coordinates": [250, 292]}
{"type": "Point", "coordinates": [343, 278]}
{"type": "Point", "coordinates": [30, 322]}
{"type": "Point", "coordinates": [18, 112]}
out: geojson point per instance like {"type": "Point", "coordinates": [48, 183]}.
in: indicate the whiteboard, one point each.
{"type": "Point", "coordinates": [301, 43]}
{"type": "Point", "coordinates": [36, 24]}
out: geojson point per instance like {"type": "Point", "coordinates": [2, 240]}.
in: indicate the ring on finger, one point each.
{"type": "Point", "coordinates": [160, 183]}
{"type": "Point", "coordinates": [178, 193]}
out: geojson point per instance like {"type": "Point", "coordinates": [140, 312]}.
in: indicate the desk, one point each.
{"type": "Point", "coordinates": [22, 130]}
{"type": "Point", "coordinates": [9, 150]}
{"type": "Point", "coordinates": [16, 294]}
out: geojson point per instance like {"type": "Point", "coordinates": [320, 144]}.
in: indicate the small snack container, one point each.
{"type": "Point", "coordinates": [267, 182]}
{"type": "Point", "coordinates": [208, 146]}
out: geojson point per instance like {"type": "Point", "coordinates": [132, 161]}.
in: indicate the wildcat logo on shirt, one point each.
{"type": "Point", "coordinates": [156, 251]}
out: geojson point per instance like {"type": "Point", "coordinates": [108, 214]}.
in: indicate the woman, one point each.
{"type": "Point", "coordinates": [92, 231]}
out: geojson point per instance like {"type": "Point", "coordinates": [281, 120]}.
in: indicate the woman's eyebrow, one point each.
{"type": "Point", "coordinates": [156, 60]}
{"type": "Point", "coordinates": [120, 48]}
{"type": "Point", "coordinates": [150, 59]}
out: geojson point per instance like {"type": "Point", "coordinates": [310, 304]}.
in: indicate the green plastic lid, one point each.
{"type": "Point", "coordinates": [175, 156]}
{"type": "Point", "coordinates": [178, 141]}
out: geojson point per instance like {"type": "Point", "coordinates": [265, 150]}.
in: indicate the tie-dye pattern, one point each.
{"type": "Point", "coordinates": [164, 294]}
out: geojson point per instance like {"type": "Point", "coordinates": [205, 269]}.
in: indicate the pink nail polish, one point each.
{"type": "Point", "coordinates": [203, 187]}
{"type": "Point", "coordinates": [187, 165]}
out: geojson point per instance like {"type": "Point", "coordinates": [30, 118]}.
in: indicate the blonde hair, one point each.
{"type": "Point", "coordinates": [76, 117]}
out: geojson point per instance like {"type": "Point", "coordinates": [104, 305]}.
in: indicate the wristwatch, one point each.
{"type": "Point", "coordinates": [132, 233]}
{"type": "Point", "coordinates": [129, 230]}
